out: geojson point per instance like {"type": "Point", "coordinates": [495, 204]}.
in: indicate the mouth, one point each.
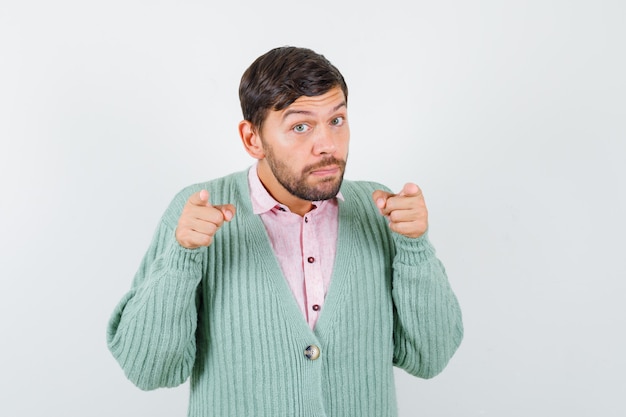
{"type": "Point", "coordinates": [326, 171]}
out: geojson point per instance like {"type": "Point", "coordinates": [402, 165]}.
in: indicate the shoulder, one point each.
{"type": "Point", "coordinates": [357, 196]}
{"type": "Point", "coordinates": [216, 187]}
{"type": "Point", "coordinates": [361, 189]}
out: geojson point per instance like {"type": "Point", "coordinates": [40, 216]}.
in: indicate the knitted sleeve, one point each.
{"type": "Point", "coordinates": [152, 330]}
{"type": "Point", "coordinates": [428, 326]}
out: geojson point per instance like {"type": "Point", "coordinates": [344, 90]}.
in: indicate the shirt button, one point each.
{"type": "Point", "coordinates": [306, 219]}
{"type": "Point", "coordinates": [316, 307]}
{"type": "Point", "coordinates": [310, 259]}
{"type": "Point", "coordinates": [312, 352]}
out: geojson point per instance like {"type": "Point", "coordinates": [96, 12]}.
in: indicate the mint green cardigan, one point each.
{"type": "Point", "coordinates": [225, 316]}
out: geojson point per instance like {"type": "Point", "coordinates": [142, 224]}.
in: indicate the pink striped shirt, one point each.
{"type": "Point", "coordinates": [304, 245]}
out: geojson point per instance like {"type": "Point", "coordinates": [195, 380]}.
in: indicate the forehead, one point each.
{"type": "Point", "coordinates": [328, 101]}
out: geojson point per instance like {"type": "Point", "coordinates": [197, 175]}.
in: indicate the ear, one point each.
{"type": "Point", "coordinates": [251, 139]}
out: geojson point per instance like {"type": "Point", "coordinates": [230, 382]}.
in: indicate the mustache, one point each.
{"type": "Point", "coordinates": [324, 163]}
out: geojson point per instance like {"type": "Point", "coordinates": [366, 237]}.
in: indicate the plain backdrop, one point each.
{"type": "Point", "coordinates": [510, 115]}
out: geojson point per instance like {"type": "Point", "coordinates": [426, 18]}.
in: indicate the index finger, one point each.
{"type": "Point", "coordinates": [410, 190]}
{"type": "Point", "coordinates": [201, 198]}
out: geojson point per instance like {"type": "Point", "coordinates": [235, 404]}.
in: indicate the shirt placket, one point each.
{"type": "Point", "coordinates": [313, 279]}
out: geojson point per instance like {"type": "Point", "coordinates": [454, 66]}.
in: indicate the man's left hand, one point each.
{"type": "Point", "coordinates": [406, 210]}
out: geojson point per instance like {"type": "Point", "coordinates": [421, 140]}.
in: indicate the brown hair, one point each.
{"type": "Point", "coordinates": [279, 77]}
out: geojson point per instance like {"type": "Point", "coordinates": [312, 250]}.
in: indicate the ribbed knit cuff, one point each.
{"type": "Point", "coordinates": [187, 262]}
{"type": "Point", "coordinates": [412, 251]}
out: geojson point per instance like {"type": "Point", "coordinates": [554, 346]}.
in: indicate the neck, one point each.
{"type": "Point", "coordinates": [279, 193]}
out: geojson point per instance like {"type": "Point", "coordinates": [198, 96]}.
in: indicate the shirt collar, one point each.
{"type": "Point", "coordinates": [262, 201]}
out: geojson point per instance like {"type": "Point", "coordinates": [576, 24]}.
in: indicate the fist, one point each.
{"type": "Point", "coordinates": [200, 220]}
{"type": "Point", "coordinates": [406, 210]}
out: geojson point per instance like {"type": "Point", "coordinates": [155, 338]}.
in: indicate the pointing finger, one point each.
{"type": "Point", "coordinates": [410, 190]}
{"type": "Point", "coordinates": [201, 198]}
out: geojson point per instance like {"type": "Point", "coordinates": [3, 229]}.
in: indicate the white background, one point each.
{"type": "Point", "coordinates": [510, 115]}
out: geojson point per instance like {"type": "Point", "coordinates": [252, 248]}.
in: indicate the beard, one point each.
{"type": "Point", "coordinates": [297, 184]}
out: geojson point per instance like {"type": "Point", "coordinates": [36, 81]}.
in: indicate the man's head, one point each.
{"type": "Point", "coordinates": [279, 77]}
{"type": "Point", "coordinates": [295, 107]}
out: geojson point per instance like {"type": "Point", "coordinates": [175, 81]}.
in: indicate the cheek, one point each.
{"type": "Point", "coordinates": [344, 143]}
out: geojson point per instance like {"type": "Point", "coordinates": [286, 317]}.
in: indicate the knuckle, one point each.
{"type": "Point", "coordinates": [219, 221]}
{"type": "Point", "coordinates": [211, 228]}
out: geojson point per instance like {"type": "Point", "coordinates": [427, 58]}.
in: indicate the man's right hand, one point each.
{"type": "Point", "coordinates": [200, 220]}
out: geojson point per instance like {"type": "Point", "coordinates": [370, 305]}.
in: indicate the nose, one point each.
{"type": "Point", "coordinates": [325, 142]}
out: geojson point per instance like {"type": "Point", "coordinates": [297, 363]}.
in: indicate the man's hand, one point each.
{"type": "Point", "coordinates": [200, 220]}
{"type": "Point", "coordinates": [406, 210]}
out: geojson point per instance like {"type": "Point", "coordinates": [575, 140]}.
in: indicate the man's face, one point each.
{"type": "Point", "coordinates": [306, 147]}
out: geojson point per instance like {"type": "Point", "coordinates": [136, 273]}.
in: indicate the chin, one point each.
{"type": "Point", "coordinates": [329, 189]}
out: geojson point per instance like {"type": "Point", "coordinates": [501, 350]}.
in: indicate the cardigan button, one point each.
{"type": "Point", "coordinates": [312, 352]}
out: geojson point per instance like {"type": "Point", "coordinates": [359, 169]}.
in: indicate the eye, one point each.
{"type": "Point", "coordinates": [337, 121]}
{"type": "Point", "coordinates": [300, 128]}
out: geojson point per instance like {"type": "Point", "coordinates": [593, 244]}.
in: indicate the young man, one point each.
{"type": "Point", "coordinates": [283, 290]}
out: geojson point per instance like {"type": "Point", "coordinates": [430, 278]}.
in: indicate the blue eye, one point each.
{"type": "Point", "coordinates": [300, 128]}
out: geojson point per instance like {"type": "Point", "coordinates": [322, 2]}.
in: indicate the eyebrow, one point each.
{"type": "Point", "coordinates": [292, 111]}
